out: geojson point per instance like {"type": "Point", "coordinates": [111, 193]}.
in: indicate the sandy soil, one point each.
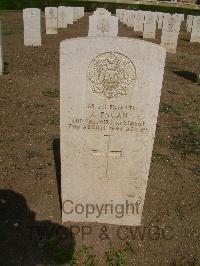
{"type": "Point", "coordinates": [31, 229]}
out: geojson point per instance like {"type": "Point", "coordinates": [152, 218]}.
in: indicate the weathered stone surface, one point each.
{"type": "Point", "coordinates": [195, 35]}
{"type": "Point", "coordinates": [110, 93]}
{"type": "Point", "coordinates": [130, 19]}
{"type": "Point", "coordinates": [75, 13]}
{"type": "Point", "coordinates": [159, 17]}
{"type": "Point", "coordinates": [149, 31]}
{"type": "Point", "coordinates": [51, 19]}
{"type": "Point", "coordinates": [103, 26]}
{"type": "Point", "coordinates": [1, 53]}
{"type": "Point", "coordinates": [125, 16]}
{"type": "Point", "coordinates": [69, 14]}
{"type": "Point", "coordinates": [101, 11]}
{"type": "Point", "coordinates": [189, 23]}
{"type": "Point", "coordinates": [32, 26]}
{"type": "Point", "coordinates": [62, 17]}
{"type": "Point", "coordinates": [170, 32]}
{"type": "Point", "coordinates": [139, 20]}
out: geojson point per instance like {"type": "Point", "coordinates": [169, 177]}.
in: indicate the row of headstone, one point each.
{"type": "Point", "coordinates": [68, 15]}
{"type": "Point", "coordinates": [55, 18]}
{"type": "Point", "coordinates": [193, 26]}
{"type": "Point", "coordinates": [103, 24]}
{"type": "Point", "coordinates": [147, 22]}
{"type": "Point", "coordinates": [1, 53]}
{"type": "Point", "coordinates": [109, 106]}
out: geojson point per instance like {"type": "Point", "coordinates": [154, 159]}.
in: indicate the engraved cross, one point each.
{"type": "Point", "coordinates": [107, 153]}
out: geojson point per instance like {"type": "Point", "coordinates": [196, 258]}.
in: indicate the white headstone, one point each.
{"type": "Point", "coordinates": [69, 15]}
{"type": "Point", "coordinates": [75, 13]}
{"type": "Point", "coordinates": [195, 35]}
{"type": "Point", "coordinates": [51, 18]}
{"type": "Point", "coordinates": [110, 96]}
{"type": "Point", "coordinates": [127, 13]}
{"type": "Point", "coordinates": [121, 15]}
{"type": "Point", "coordinates": [130, 19]}
{"type": "Point", "coordinates": [62, 17]}
{"type": "Point", "coordinates": [189, 23]}
{"type": "Point", "coordinates": [118, 13]}
{"type": "Point", "coordinates": [103, 26]}
{"type": "Point", "coordinates": [170, 32]}
{"type": "Point", "coordinates": [32, 26]}
{"type": "Point", "coordinates": [159, 17]}
{"type": "Point", "coordinates": [83, 11]}
{"type": "Point", "coordinates": [139, 20]}
{"type": "Point", "coordinates": [101, 11]}
{"type": "Point", "coordinates": [182, 17]}
{"type": "Point", "coordinates": [149, 25]}
{"type": "Point", "coordinates": [1, 52]}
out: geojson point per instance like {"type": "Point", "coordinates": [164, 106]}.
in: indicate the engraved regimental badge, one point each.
{"type": "Point", "coordinates": [111, 75]}
{"type": "Point", "coordinates": [103, 25]}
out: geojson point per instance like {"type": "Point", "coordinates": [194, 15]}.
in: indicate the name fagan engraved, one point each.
{"type": "Point", "coordinates": [109, 117]}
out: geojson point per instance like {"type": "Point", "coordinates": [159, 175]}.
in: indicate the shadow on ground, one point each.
{"type": "Point", "coordinates": [186, 74]}
{"type": "Point", "coordinates": [56, 153]}
{"type": "Point", "coordinates": [24, 241]}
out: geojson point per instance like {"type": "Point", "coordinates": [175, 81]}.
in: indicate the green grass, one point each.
{"type": "Point", "coordinates": [196, 170]}
{"type": "Point", "coordinates": [130, 248]}
{"type": "Point", "coordinates": [30, 153]}
{"type": "Point", "coordinates": [115, 257]}
{"type": "Point", "coordinates": [179, 212]}
{"type": "Point", "coordinates": [85, 255]}
{"type": "Point", "coordinates": [6, 69]}
{"type": "Point", "coordinates": [166, 108]}
{"type": "Point", "coordinates": [6, 32]}
{"type": "Point", "coordinates": [54, 120]}
{"type": "Point", "coordinates": [51, 93]}
{"type": "Point", "coordinates": [188, 142]}
{"type": "Point", "coordinates": [172, 66]}
{"type": "Point", "coordinates": [57, 253]}
{"type": "Point", "coordinates": [162, 158]}
{"type": "Point", "coordinates": [19, 103]}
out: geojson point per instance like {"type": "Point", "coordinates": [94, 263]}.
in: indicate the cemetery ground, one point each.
{"type": "Point", "coordinates": [30, 164]}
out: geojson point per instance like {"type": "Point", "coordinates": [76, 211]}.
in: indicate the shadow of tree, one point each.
{"type": "Point", "coordinates": [24, 241]}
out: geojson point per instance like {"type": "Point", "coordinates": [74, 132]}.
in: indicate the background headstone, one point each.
{"type": "Point", "coordinates": [51, 19]}
{"type": "Point", "coordinates": [139, 20]}
{"type": "Point", "coordinates": [1, 53]}
{"type": "Point", "coordinates": [75, 14]}
{"type": "Point", "coordinates": [160, 17]}
{"type": "Point", "coordinates": [149, 25]}
{"type": "Point", "coordinates": [62, 17]}
{"type": "Point", "coordinates": [110, 96]}
{"type": "Point", "coordinates": [170, 32]}
{"type": "Point", "coordinates": [189, 23]}
{"type": "Point", "coordinates": [69, 15]}
{"type": "Point", "coordinates": [125, 17]}
{"type": "Point", "coordinates": [32, 26]}
{"type": "Point", "coordinates": [130, 19]}
{"type": "Point", "coordinates": [103, 26]}
{"type": "Point", "coordinates": [101, 11]}
{"type": "Point", "coordinates": [195, 35]}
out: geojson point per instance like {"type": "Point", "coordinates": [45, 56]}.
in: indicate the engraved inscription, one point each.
{"type": "Point", "coordinates": [103, 25]}
{"type": "Point", "coordinates": [112, 117]}
{"type": "Point", "coordinates": [107, 153]}
{"type": "Point", "coordinates": [111, 75]}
